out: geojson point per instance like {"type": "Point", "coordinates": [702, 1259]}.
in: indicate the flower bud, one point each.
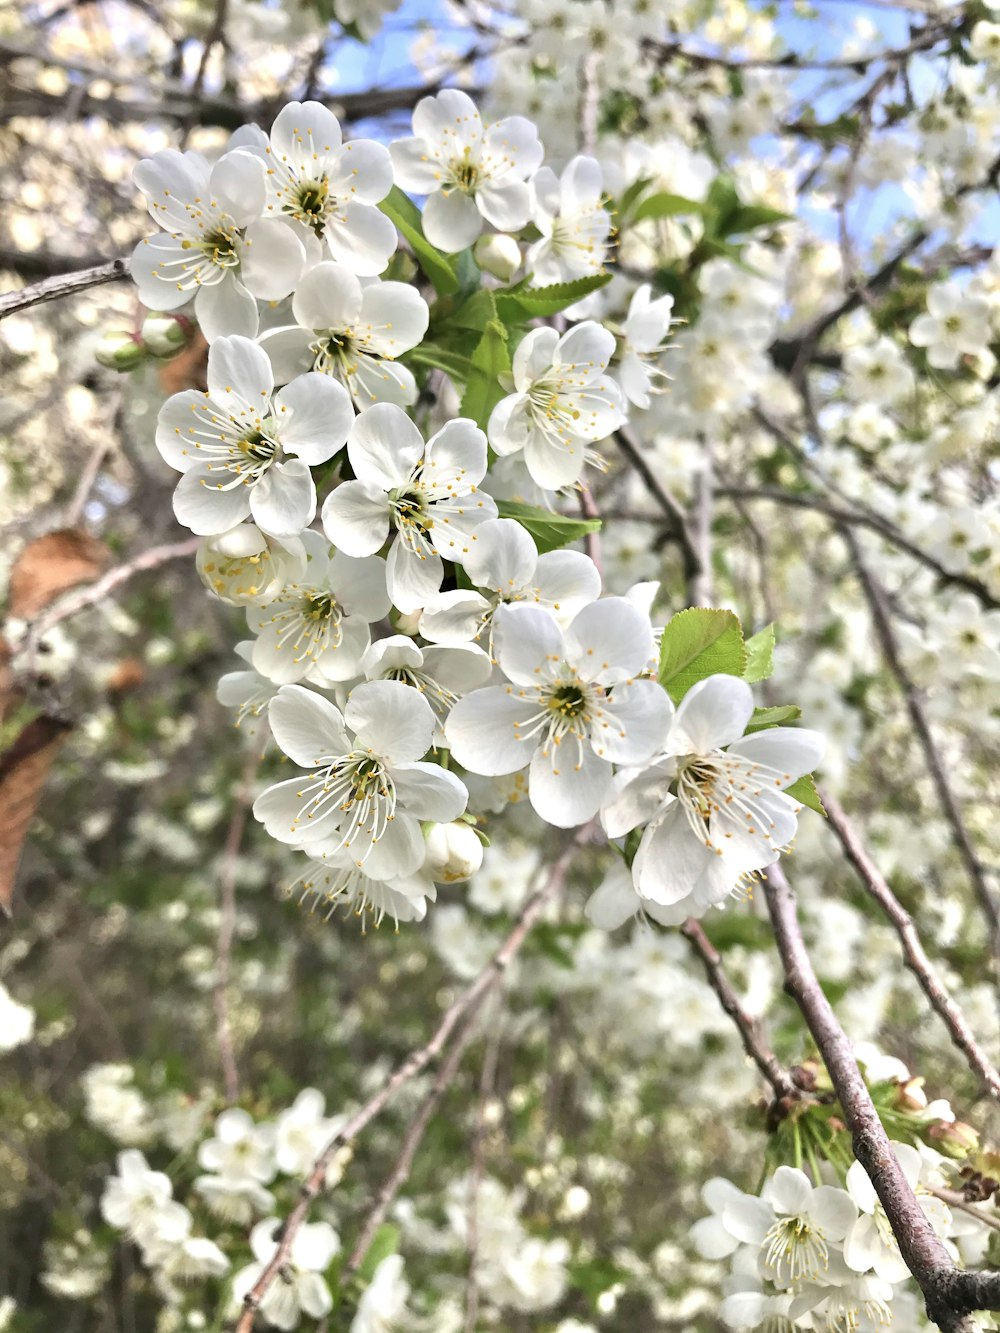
{"type": "Point", "coordinates": [165, 335]}
{"type": "Point", "coordinates": [954, 1140]}
{"type": "Point", "coordinates": [454, 852]}
{"type": "Point", "coordinates": [245, 568]}
{"type": "Point", "coordinates": [499, 255]}
{"type": "Point", "coordinates": [119, 350]}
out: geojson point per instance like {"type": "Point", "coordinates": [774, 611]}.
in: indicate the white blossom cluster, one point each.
{"type": "Point", "coordinates": [420, 628]}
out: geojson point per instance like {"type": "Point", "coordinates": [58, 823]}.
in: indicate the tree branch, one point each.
{"type": "Point", "coordinates": [468, 1001]}
{"type": "Point", "coordinates": [753, 1043]}
{"type": "Point", "coordinates": [913, 950]}
{"type": "Point", "coordinates": [52, 289]}
{"type": "Point", "coordinates": [882, 621]}
{"type": "Point", "coordinates": [676, 518]}
{"type": "Point", "coordinates": [950, 1295]}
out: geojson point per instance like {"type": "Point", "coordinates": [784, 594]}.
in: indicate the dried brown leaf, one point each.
{"type": "Point", "coordinates": [24, 767]}
{"type": "Point", "coordinates": [50, 566]}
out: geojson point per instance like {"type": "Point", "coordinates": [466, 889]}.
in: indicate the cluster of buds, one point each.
{"type": "Point", "coordinates": [162, 337]}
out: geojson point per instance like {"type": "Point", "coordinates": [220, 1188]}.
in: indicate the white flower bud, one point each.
{"type": "Point", "coordinates": [454, 852]}
{"type": "Point", "coordinates": [119, 350]}
{"type": "Point", "coordinates": [165, 335]}
{"type": "Point", "coordinates": [499, 255]}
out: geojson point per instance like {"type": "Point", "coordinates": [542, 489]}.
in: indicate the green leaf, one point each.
{"type": "Point", "coordinates": [384, 1242]}
{"type": "Point", "coordinates": [748, 217]}
{"type": "Point", "coordinates": [763, 718]}
{"type": "Point", "coordinates": [516, 302]}
{"type": "Point", "coordinates": [700, 642]}
{"type": "Point", "coordinates": [549, 531]}
{"type": "Point", "coordinates": [404, 214]}
{"type": "Point", "coordinates": [666, 205]}
{"type": "Point", "coordinates": [804, 791]}
{"type": "Point", "coordinates": [631, 197]}
{"type": "Point", "coordinates": [440, 358]}
{"type": "Point", "coordinates": [490, 360]}
{"type": "Point", "coordinates": [760, 655]}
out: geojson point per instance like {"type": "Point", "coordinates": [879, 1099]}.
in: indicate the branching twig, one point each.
{"type": "Point", "coordinates": [65, 284]}
{"type": "Point", "coordinates": [753, 1043]}
{"type": "Point", "coordinates": [950, 1294]}
{"type": "Point", "coordinates": [913, 950]}
{"type": "Point", "coordinates": [675, 515]}
{"type": "Point", "coordinates": [882, 622]}
{"type": "Point", "coordinates": [411, 1066]}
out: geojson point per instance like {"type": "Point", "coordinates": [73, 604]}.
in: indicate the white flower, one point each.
{"type": "Point", "coordinates": [366, 795]}
{"type": "Point", "coordinates": [575, 226]}
{"type": "Point", "coordinates": [956, 324]}
{"type": "Point", "coordinates": [870, 1244]}
{"type": "Point", "coordinates": [352, 332]}
{"type": "Point", "coordinates": [248, 692]}
{"type": "Point", "coordinates": [794, 1223]}
{"type": "Point", "coordinates": [878, 373]}
{"type": "Point", "coordinates": [844, 1300]}
{"type": "Point", "coordinates": [318, 624]}
{"type": "Point", "coordinates": [467, 171]}
{"type": "Point", "coordinates": [335, 880]}
{"type": "Point", "coordinates": [184, 1258]}
{"type": "Point", "coordinates": [505, 561]}
{"type": "Point", "coordinates": [563, 401]}
{"type": "Point", "coordinates": [645, 329]}
{"type": "Point", "coordinates": [240, 1157]}
{"type": "Point", "coordinates": [330, 188]}
{"type": "Point", "coordinates": [245, 567]}
{"type": "Point", "coordinates": [245, 452]}
{"type": "Point", "coordinates": [140, 1201]}
{"type": "Point", "coordinates": [383, 1302]}
{"type": "Point", "coordinates": [301, 1133]}
{"type": "Point", "coordinates": [216, 247]}
{"type": "Point", "coordinates": [115, 1106]}
{"type": "Point", "coordinates": [17, 1021]}
{"type": "Point", "coordinates": [530, 1276]}
{"type": "Point", "coordinates": [301, 1290]}
{"type": "Point", "coordinates": [427, 493]}
{"type": "Point", "coordinates": [571, 710]}
{"type": "Point", "coordinates": [729, 816]}
{"type": "Point", "coordinates": [984, 43]}
{"type": "Point", "coordinates": [441, 674]}
{"type": "Point", "coordinates": [710, 1235]}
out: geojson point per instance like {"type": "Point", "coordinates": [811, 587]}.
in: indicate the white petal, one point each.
{"type": "Point", "coordinates": [393, 317]}
{"type": "Point", "coordinates": [789, 1191]}
{"type": "Point", "coordinates": [453, 617]}
{"type": "Point", "coordinates": [238, 184]}
{"type": "Point", "coordinates": [364, 242]}
{"type": "Point", "coordinates": [202, 505]}
{"type": "Point", "coordinates": [567, 783]}
{"type": "Point", "coordinates": [451, 220]}
{"type": "Point", "coordinates": [329, 298]}
{"type": "Point", "coordinates": [271, 259]}
{"type": "Point", "coordinates": [713, 713]}
{"type": "Point", "coordinates": [527, 642]}
{"type": "Point", "coordinates": [748, 1219]}
{"type": "Point", "coordinates": [238, 368]}
{"type": "Point", "coordinates": [315, 415]}
{"type": "Point", "coordinates": [793, 752]}
{"type": "Point", "coordinates": [224, 308]}
{"type": "Point", "coordinates": [306, 726]}
{"type": "Point", "coordinates": [429, 791]}
{"type": "Point", "coordinates": [384, 446]}
{"type": "Point", "coordinates": [609, 641]}
{"type": "Point", "coordinates": [483, 731]}
{"type": "Point", "coordinates": [356, 517]}
{"type": "Point", "coordinates": [634, 722]}
{"type": "Point", "coordinates": [393, 720]}
{"type": "Point", "coordinates": [611, 905]}
{"type": "Point", "coordinates": [414, 167]}
{"type": "Point", "coordinates": [412, 577]}
{"type": "Point", "coordinates": [505, 556]}
{"type": "Point", "coordinates": [283, 502]}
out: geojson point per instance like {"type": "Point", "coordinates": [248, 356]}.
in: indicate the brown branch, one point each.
{"type": "Point", "coordinates": [60, 285]}
{"type": "Point", "coordinates": [753, 1043]}
{"type": "Point", "coordinates": [882, 621]}
{"type": "Point", "coordinates": [400, 1173]}
{"type": "Point", "coordinates": [913, 950]}
{"type": "Point", "coordinates": [676, 518]}
{"type": "Point", "coordinates": [950, 1294]}
{"type": "Point", "coordinates": [864, 518]}
{"type": "Point", "coordinates": [416, 1061]}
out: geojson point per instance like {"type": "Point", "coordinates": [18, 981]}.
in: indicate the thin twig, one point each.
{"type": "Point", "coordinates": [64, 284]}
{"type": "Point", "coordinates": [96, 592]}
{"type": "Point", "coordinates": [882, 621]}
{"type": "Point", "coordinates": [400, 1173]}
{"type": "Point", "coordinates": [416, 1061]}
{"type": "Point", "coordinates": [753, 1043]}
{"type": "Point", "coordinates": [227, 930]}
{"type": "Point", "coordinates": [700, 587]}
{"type": "Point", "coordinates": [675, 515]}
{"type": "Point", "coordinates": [487, 1083]}
{"type": "Point", "coordinates": [950, 1295]}
{"type": "Point", "coordinates": [913, 950]}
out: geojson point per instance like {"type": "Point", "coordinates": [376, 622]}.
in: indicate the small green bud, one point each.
{"type": "Point", "coordinates": [164, 336]}
{"type": "Point", "coordinates": [119, 350]}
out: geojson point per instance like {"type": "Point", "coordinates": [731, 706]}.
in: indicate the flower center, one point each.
{"type": "Point", "coordinates": [465, 173]}
{"type": "Point", "coordinates": [258, 446]}
{"type": "Point", "coordinates": [408, 507]}
{"type": "Point", "coordinates": [334, 353]}
{"type": "Point", "coordinates": [794, 1251]}
{"type": "Point", "coordinates": [218, 246]}
{"type": "Point", "coordinates": [309, 203]}
{"type": "Point", "coordinates": [318, 606]}
{"type": "Point", "coordinates": [567, 701]}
